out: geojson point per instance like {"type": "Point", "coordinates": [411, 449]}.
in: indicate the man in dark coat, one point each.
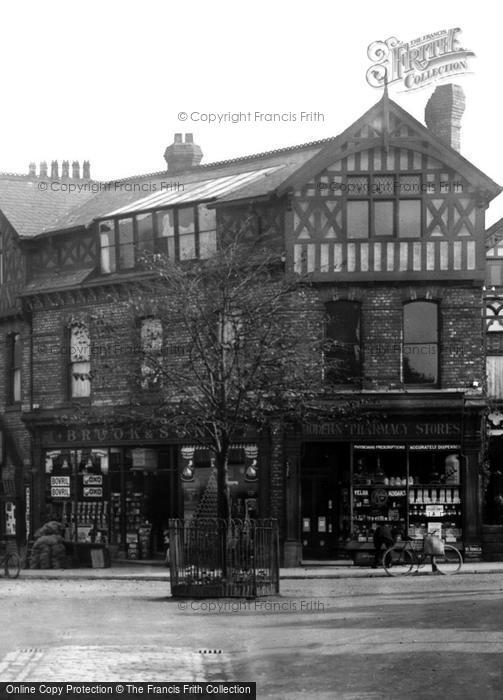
{"type": "Point", "coordinates": [382, 536]}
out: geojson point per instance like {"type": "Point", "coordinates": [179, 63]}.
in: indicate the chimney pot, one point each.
{"type": "Point", "coordinates": [65, 169]}
{"type": "Point", "coordinates": [54, 170]}
{"type": "Point", "coordinates": [86, 170]}
{"type": "Point", "coordinates": [43, 169]}
{"type": "Point", "coordinates": [32, 170]}
{"type": "Point", "coordinates": [183, 155]}
{"type": "Point", "coordinates": [76, 170]}
{"type": "Point", "coordinates": [443, 114]}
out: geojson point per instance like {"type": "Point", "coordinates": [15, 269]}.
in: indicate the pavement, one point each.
{"type": "Point", "coordinates": [159, 572]}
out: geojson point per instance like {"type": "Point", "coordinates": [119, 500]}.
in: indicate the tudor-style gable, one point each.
{"type": "Point", "coordinates": [12, 269]}
{"type": "Point", "coordinates": [387, 199]}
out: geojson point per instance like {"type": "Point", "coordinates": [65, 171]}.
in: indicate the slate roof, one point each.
{"type": "Point", "coordinates": [121, 193]}
{"type": "Point", "coordinates": [57, 281]}
{"type": "Point", "coordinates": [31, 209]}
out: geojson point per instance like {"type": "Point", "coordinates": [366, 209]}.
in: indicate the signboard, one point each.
{"type": "Point", "coordinates": [415, 430]}
{"type": "Point", "coordinates": [93, 492]}
{"type": "Point", "coordinates": [60, 481]}
{"type": "Point", "coordinates": [92, 479]}
{"type": "Point", "coordinates": [60, 492]}
{"type": "Point", "coordinates": [378, 447]}
{"type": "Point", "coordinates": [435, 511]}
{"type": "Point", "coordinates": [60, 487]}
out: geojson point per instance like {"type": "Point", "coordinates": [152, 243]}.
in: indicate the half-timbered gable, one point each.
{"type": "Point", "coordinates": [387, 199]}
{"type": "Point", "coordinates": [12, 268]}
{"type": "Point", "coordinates": [66, 251]}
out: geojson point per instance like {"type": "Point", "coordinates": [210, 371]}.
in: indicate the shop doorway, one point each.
{"type": "Point", "coordinates": [324, 499]}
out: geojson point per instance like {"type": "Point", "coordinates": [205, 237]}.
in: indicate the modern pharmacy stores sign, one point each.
{"type": "Point", "coordinates": [417, 63]}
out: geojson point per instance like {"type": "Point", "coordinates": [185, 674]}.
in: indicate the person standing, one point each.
{"type": "Point", "coordinates": [382, 536]}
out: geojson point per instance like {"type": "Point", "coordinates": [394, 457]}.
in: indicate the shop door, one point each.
{"type": "Point", "coordinates": [324, 481]}
{"type": "Point", "coordinates": [318, 517]}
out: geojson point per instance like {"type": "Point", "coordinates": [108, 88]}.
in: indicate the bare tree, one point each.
{"type": "Point", "coordinates": [228, 343]}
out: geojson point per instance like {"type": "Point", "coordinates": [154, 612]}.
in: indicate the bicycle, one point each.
{"type": "Point", "coordinates": [9, 560]}
{"type": "Point", "coordinates": [400, 559]}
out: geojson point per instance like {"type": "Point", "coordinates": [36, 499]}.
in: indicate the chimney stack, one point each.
{"type": "Point", "coordinates": [76, 170]}
{"type": "Point", "coordinates": [86, 170]}
{"type": "Point", "coordinates": [32, 170]}
{"type": "Point", "coordinates": [43, 170]}
{"type": "Point", "coordinates": [65, 170]}
{"type": "Point", "coordinates": [182, 155]}
{"type": "Point", "coordinates": [443, 114]}
{"type": "Point", "coordinates": [54, 170]}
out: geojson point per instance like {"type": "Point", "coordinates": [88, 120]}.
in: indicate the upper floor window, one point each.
{"type": "Point", "coordinates": [1, 258]}
{"type": "Point", "coordinates": [494, 266]}
{"type": "Point", "coordinates": [379, 206]}
{"type": "Point", "coordinates": [151, 337]}
{"type": "Point", "coordinates": [342, 351]}
{"type": "Point", "coordinates": [183, 233]}
{"type": "Point", "coordinates": [420, 343]}
{"type": "Point", "coordinates": [15, 361]}
{"type": "Point", "coordinates": [79, 361]}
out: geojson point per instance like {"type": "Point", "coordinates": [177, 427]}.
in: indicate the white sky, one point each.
{"type": "Point", "coordinates": [105, 81]}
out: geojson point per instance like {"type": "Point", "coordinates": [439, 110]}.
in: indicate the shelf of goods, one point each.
{"type": "Point", "coordinates": [407, 507]}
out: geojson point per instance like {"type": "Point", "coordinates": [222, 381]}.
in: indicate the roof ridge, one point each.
{"type": "Point", "coordinates": [229, 161]}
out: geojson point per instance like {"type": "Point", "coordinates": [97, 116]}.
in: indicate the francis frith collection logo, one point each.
{"type": "Point", "coordinates": [417, 63]}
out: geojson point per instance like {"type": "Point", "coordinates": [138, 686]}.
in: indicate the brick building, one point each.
{"type": "Point", "coordinates": [387, 219]}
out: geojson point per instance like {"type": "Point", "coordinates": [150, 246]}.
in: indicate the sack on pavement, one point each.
{"type": "Point", "coordinates": [433, 545]}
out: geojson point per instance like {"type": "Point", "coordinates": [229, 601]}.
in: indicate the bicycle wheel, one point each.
{"type": "Point", "coordinates": [12, 565]}
{"type": "Point", "coordinates": [450, 561]}
{"type": "Point", "coordinates": [397, 561]}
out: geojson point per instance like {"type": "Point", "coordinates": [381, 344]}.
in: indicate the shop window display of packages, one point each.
{"type": "Point", "coordinates": [48, 551]}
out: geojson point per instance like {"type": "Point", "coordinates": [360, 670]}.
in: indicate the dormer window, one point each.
{"type": "Point", "coordinates": [182, 233]}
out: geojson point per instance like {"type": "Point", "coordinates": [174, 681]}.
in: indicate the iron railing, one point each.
{"type": "Point", "coordinates": [211, 557]}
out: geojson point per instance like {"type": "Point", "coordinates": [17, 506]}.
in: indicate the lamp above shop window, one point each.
{"type": "Point", "coordinates": [188, 471]}
{"type": "Point", "coordinates": [251, 454]}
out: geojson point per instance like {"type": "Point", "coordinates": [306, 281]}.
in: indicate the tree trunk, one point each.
{"type": "Point", "coordinates": [223, 501]}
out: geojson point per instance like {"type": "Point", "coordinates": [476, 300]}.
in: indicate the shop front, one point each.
{"type": "Point", "coordinates": [118, 488]}
{"type": "Point", "coordinates": [416, 475]}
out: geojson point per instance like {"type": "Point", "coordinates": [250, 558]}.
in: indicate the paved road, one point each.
{"type": "Point", "coordinates": [361, 639]}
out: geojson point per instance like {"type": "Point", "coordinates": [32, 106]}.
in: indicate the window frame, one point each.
{"type": "Point", "coordinates": [355, 379]}
{"type": "Point", "coordinates": [437, 383]}
{"type": "Point", "coordinates": [14, 368]}
{"type": "Point", "coordinates": [70, 361]}
{"type": "Point", "coordinates": [160, 244]}
{"type": "Point", "coordinates": [372, 197]}
{"type": "Point", "coordinates": [2, 258]}
{"type": "Point", "coordinates": [147, 382]}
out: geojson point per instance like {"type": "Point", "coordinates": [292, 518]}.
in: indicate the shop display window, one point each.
{"type": "Point", "coordinates": [199, 481]}
{"type": "Point", "coordinates": [76, 493]}
{"type": "Point", "coordinates": [413, 491]}
{"type": "Point", "coordinates": [379, 490]}
{"type": "Point", "coordinates": [435, 493]}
